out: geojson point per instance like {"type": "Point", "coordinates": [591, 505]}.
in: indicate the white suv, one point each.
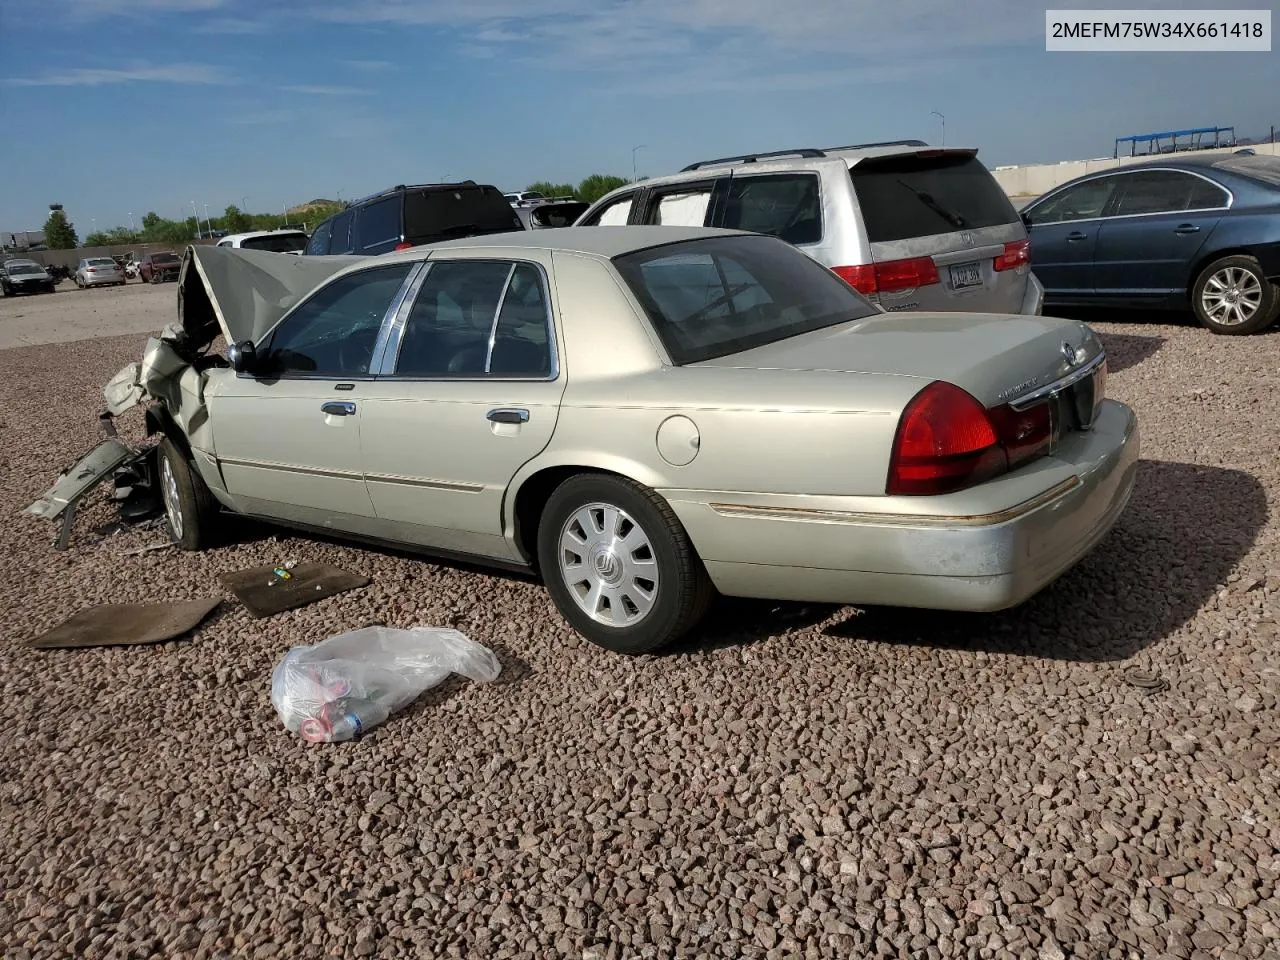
{"type": "Point", "coordinates": [912, 227]}
{"type": "Point", "coordinates": [276, 241]}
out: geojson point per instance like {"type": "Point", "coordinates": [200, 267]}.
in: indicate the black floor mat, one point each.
{"type": "Point", "coordinates": [114, 624]}
{"type": "Point", "coordinates": [264, 594]}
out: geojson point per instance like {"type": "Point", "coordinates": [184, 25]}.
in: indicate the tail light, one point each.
{"type": "Point", "coordinates": [403, 245]}
{"type": "Point", "coordinates": [1016, 253]}
{"type": "Point", "coordinates": [947, 441]}
{"type": "Point", "coordinates": [889, 276]}
{"type": "Point", "coordinates": [91, 269]}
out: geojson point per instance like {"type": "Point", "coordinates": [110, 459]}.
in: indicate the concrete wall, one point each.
{"type": "Point", "coordinates": [1034, 179]}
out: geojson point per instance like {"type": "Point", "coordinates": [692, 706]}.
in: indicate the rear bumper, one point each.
{"type": "Point", "coordinates": [980, 562]}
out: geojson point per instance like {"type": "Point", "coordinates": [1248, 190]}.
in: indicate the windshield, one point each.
{"type": "Point", "coordinates": [164, 258]}
{"type": "Point", "coordinates": [917, 196]}
{"type": "Point", "coordinates": [22, 269]}
{"type": "Point", "coordinates": [462, 212]}
{"type": "Point", "coordinates": [722, 295]}
{"type": "Point", "coordinates": [277, 243]}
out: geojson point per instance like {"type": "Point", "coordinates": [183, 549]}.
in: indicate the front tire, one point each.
{"type": "Point", "coordinates": [1232, 296]}
{"type": "Point", "coordinates": [619, 565]}
{"type": "Point", "coordinates": [190, 510]}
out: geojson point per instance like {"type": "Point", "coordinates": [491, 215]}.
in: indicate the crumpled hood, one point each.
{"type": "Point", "coordinates": [240, 294]}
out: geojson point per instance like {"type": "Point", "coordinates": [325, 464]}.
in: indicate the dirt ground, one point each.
{"type": "Point", "coordinates": [793, 781]}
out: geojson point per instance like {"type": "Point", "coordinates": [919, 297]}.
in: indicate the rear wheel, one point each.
{"type": "Point", "coordinates": [1233, 296]}
{"type": "Point", "coordinates": [619, 565]}
{"type": "Point", "coordinates": [190, 510]}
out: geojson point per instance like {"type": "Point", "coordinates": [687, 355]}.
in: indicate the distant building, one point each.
{"type": "Point", "coordinates": [22, 239]}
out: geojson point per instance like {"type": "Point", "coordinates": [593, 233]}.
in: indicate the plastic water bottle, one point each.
{"type": "Point", "coordinates": [356, 717]}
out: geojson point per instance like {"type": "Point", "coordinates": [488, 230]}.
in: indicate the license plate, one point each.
{"type": "Point", "coordinates": [966, 275]}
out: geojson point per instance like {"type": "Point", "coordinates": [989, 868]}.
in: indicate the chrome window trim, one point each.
{"type": "Point", "coordinates": [497, 312]}
{"type": "Point", "coordinates": [395, 315]}
{"type": "Point", "coordinates": [396, 301]}
{"type": "Point", "coordinates": [1231, 197]}
{"type": "Point", "coordinates": [553, 338]}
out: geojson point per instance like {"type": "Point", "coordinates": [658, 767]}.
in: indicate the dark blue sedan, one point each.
{"type": "Point", "coordinates": [1192, 231]}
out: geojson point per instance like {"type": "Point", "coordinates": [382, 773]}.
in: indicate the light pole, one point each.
{"type": "Point", "coordinates": [195, 215]}
{"type": "Point", "coordinates": [944, 125]}
{"type": "Point", "coordinates": [633, 161]}
{"type": "Point", "coordinates": [207, 222]}
{"type": "Point", "coordinates": [132, 228]}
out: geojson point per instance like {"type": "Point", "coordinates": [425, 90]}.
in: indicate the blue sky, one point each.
{"type": "Point", "coordinates": [119, 106]}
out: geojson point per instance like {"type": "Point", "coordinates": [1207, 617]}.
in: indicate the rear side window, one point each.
{"type": "Point", "coordinates": [318, 246]}
{"type": "Point", "coordinates": [787, 207]}
{"type": "Point", "coordinates": [1166, 191]}
{"type": "Point", "coordinates": [919, 196]}
{"type": "Point", "coordinates": [434, 215]}
{"type": "Point", "coordinates": [615, 214]}
{"type": "Point", "coordinates": [680, 208]}
{"type": "Point", "coordinates": [558, 214]}
{"type": "Point", "coordinates": [340, 236]}
{"type": "Point", "coordinates": [379, 225]}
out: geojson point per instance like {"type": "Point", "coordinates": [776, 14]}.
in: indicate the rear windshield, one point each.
{"type": "Point", "coordinates": [277, 243]}
{"type": "Point", "coordinates": [558, 214]}
{"type": "Point", "coordinates": [913, 196]}
{"type": "Point", "coordinates": [713, 297]}
{"type": "Point", "coordinates": [431, 215]}
{"type": "Point", "coordinates": [1264, 169]}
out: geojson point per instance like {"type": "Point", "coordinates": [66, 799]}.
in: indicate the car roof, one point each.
{"type": "Point", "coordinates": [605, 242]}
{"type": "Point", "coordinates": [258, 233]}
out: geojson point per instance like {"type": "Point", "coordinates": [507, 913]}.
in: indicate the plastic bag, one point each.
{"type": "Point", "coordinates": [343, 686]}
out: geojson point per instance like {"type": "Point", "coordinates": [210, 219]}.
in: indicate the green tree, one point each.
{"type": "Point", "coordinates": [60, 233]}
{"type": "Point", "coordinates": [116, 236]}
{"type": "Point", "coordinates": [151, 221]}
{"type": "Point", "coordinates": [236, 220]}
{"type": "Point", "coordinates": [597, 185]}
{"type": "Point", "coordinates": [549, 189]}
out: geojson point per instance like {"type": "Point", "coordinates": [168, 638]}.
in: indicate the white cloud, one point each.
{"type": "Point", "coordinates": [179, 73]}
{"type": "Point", "coordinates": [323, 90]}
{"type": "Point", "coordinates": [370, 66]}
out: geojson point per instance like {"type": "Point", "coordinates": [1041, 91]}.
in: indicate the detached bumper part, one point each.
{"type": "Point", "coordinates": [65, 495]}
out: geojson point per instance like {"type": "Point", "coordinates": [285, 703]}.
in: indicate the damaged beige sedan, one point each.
{"type": "Point", "coordinates": [642, 415]}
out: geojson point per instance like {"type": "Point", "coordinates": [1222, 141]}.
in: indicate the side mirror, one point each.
{"type": "Point", "coordinates": [243, 356]}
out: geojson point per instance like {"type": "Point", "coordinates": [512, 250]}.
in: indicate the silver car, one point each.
{"type": "Point", "coordinates": [643, 416]}
{"type": "Point", "coordinates": [910, 226]}
{"type": "Point", "coordinates": [99, 272]}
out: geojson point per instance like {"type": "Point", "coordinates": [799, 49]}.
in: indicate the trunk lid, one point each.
{"type": "Point", "coordinates": [995, 357]}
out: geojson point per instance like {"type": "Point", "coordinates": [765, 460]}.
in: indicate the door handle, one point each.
{"type": "Point", "coordinates": [1185, 228]}
{"type": "Point", "coordinates": [508, 415]}
{"type": "Point", "coordinates": [338, 408]}
{"type": "Point", "coordinates": [1077, 235]}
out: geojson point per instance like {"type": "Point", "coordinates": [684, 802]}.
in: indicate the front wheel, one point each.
{"type": "Point", "coordinates": [619, 565]}
{"type": "Point", "coordinates": [1233, 296]}
{"type": "Point", "coordinates": [190, 510]}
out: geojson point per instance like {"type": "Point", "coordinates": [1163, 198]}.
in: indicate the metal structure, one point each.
{"type": "Point", "coordinates": [1191, 139]}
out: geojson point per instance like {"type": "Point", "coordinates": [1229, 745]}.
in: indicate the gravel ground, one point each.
{"type": "Point", "coordinates": [795, 781]}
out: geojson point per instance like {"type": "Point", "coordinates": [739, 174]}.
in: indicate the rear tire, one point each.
{"type": "Point", "coordinates": [191, 511]}
{"type": "Point", "coordinates": [1233, 297]}
{"type": "Point", "coordinates": [619, 564]}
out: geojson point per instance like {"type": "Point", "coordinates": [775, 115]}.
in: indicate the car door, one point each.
{"type": "Point", "coordinates": [469, 392]}
{"type": "Point", "coordinates": [1064, 235]}
{"type": "Point", "coordinates": [287, 439]}
{"type": "Point", "coordinates": [1159, 221]}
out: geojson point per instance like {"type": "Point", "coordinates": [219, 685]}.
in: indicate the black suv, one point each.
{"type": "Point", "coordinates": [407, 216]}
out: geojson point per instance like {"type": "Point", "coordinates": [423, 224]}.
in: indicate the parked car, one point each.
{"type": "Point", "coordinates": [1187, 232]}
{"type": "Point", "coordinates": [277, 241]}
{"type": "Point", "coordinates": [547, 214]}
{"type": "Point", "coordinates": [25, 276]}
{"type": "Point", "coordinates": [522, 197]}
{"type": "Point", "coordinates": [159, 267]}
{"type": "Point", "coordinates": [911, 226]}
{"type": "Point", "coordinates": [643, 415]}
{"type": "Point", "coordinates": [99, 272]}
{"type": "Point", "coordinates": [407, 216]}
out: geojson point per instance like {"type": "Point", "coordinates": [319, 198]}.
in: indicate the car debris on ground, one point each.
{"type": "Point", "coordinates": [127, 624]}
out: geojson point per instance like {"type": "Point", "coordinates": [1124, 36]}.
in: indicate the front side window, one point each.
{"type": "Point", "coordinates": [476, 318]}
{"type": "Point", "coordinates": [786, 206]}
{"type": "Point", "coordinates": [615, 214]}
{"type": "Point", "coordinates": [1084, 201]}
{"type": "Point", "coordinates": [713, 297]}
{"type": "Point", "coordinates": [332, 334]}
